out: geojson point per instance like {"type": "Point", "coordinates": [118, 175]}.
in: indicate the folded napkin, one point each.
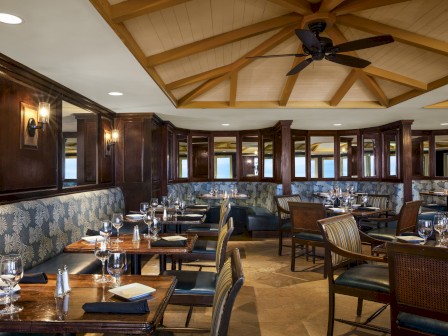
{"type": "Point", "coordinates": [166, 243]}
{"type": "Point", "coordinates": [91, 232]}
{"type": "Point", "coordinates": [134, 307]}
{"type": "Point", "coordinates": [34, 278]}
{"type": "Point", "coordinates": [366, 208]}
{"type": "Point", "coordinates": [197, 206]}
{"type": "Point", "coordinates": [189, 218]}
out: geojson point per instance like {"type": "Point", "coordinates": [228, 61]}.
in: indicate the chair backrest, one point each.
{"type": "Point", "coordinates": [418, 277]}
{"type": "Point", "coordinates": [342, 232]}
{"type": "Point", "coordinates": [407, 219]}
{"type": "Point", "coordinates": [282, 204]}
{"type": "Point", "coordinates": [304, 216]}
{"type": "Point", "coordinates": [379, 201]}
{"type": "Point", "coordinates": [221, 245]}
{"type": "Point", "coordinates": [229, 282]}
{"type": "Point", "coordinates": [224, 211]}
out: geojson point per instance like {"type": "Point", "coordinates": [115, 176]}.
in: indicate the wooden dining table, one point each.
{"type": "Point", "coordinates": [42, 313]}
{"type": "Point", "coordinates": [138, 248]}
{"type": "Point", "coordinates": [358, 214]}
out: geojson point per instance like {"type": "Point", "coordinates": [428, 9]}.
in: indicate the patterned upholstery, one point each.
{"type": "Point", "coordinates": [344, 234]}
{"type": "Point", "coordinates": [40, 229]}
{"type": "Point", "coordinates": [282, 204]}
{"type": "Point", "coordinates": [379, 201]}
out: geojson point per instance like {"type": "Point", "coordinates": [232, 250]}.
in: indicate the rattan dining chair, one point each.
{"type": "Point", "coordinates": [284, 217]}
{"type": "Point", "coordinates": [305, 231]}
{"type": "Point", "coordinates": [228, 284]}
{"type": "Point", "coordinates": [418, 289]}
{"type": "Point", "coordinates": [195, 287]}
{"type": "Point", "coordinates": [365, 281]}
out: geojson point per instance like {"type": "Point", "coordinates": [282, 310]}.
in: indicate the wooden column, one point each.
{"type": "Point", "coordinates": [406, 159]}
{"type": "Point", "coordinates": [283, 128]}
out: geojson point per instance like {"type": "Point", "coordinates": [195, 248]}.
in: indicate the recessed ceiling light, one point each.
{"type": "Point", "coordinates": [9, 19]}
{"type": "Point", "coordinates": [225, 124]}
{"type": "Point", "coordinates": [337, 124]}
{"type": "Point", "coordinates": [115, 93]}
{"type": "Point", "coordinates": [444, 124]}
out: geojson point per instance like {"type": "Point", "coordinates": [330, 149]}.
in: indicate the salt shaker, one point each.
{"type": "Point", "coordinates": [165, 216]}
{"type": "Point", "coordinates": [136, 236]}
{"type": "Point", "coordinates": [65, 282]}
{"type": "Point", "coordinates": [59, 290]}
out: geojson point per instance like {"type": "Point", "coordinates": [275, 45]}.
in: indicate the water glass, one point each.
{"type": "Point", "coordinates": [154, 202]}
{"type": "Point", "coordinates": [106, 229]}
{"type": "Point", "coordinates": [148, 218]}
{"type": "Point", "coordinates": [117, 265]}
{"type": "Point", "coordinates": [155, 229]}
{"type": "Point", "coordinates": [102, 252]}
{"type": "Point", "coordinates": [440, 226]}
{"type": "Point", "coordinates": [117, 222]}
{"type": "Point", "coordinates": [144, 207]}
{"type": "Point", "coordinates": [425, 229]}
{"type": "Point", "coordinates": [11, 271]}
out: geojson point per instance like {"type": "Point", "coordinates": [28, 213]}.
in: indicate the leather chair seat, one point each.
{"type": "Point", "coordinates": [385, 233]}
{"type": "Point", "coordinates": [194, 282]}
{"type": "Point", "coordinates": [421, 323]}
{"type": "Point", "coordinates": [203, 227]}
{"type": "Point", "coordinates": [373, 277]}
{"type": "Point", "coordinates": [204, 246]}
{"type": "Point", "coordinates": [309, 236]}
{"type": "Point", "coordinates": [286, 224]}
{"type": "Point", "coordinates": [77, 263]}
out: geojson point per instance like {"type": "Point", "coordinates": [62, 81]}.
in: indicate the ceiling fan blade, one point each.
{"type": "Point", "coordinates": [368, 42]}
{"type": "Point", "coordinates": [308, 39]}
{"type": "Point", "coordinates": [354, 62]}
{"type": "Point", "coordinates": [282, 55]}
{"type": "Point", "coordinates": [299, 67]}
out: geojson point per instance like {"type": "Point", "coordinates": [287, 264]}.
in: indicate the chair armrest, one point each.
{"type": "Point", "coordinates": [183, 330]}
{"type": "Point", "coordinates": [365, 238]}
{"type": "Point", "coordinates": [379, 219]}
{"type": "Point", "coordinates": [280, 209]}
{"type": "Point", "coordinates": [355, 256]}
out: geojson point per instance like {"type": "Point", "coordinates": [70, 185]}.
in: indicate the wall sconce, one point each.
{"type": "Point", "coordinates": [43, 118]}
{"type": "Point", "coordinates": [111, 138]}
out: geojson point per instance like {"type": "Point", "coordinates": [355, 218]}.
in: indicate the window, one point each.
{"type": "Point", "coordinates": [322, 154]}
{"type": "Point", "coordinates": [299, 150]}
{"type": "Point", "coordinates": [348, 156]}
{"type": "Point", "coordinates": [268, 155]}
{"type": "Point", "coordinates": [223, 167]}
{"type": "Point", "coordinates": [225, 153]}
{"type": "Point", "coordinates": [182, 156]}
{"type": "Point", "coordinates": [369, 156]}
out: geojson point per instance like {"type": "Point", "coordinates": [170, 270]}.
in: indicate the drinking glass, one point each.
{"type": "Point", "coordinates": [439, 226]}
{"type": "Point", "coordinates": [102, 253]}
{"type": "Point", "coordinates": [364, 200]}
{"type": "Point", "coordinates": [425, 229]}
{"type": "Point", "coordinates": [155, 229]}
{"type": "Point", "coordinates": [144, 207]}
{"type": "Point", "coordinates": [154, 202]}
{"type": "Point", "coordinates": [182, 206]}
{"type": "Point", "coordinates": [117, 264]}
{"type": "Point", "coordinates": [117, 222]}
{"type": "Point", "coordinates": [148, 218]}
{"type": "Point", "coordinates": [11, 271]}
{"type": "Point", "coordinates": [106, 229]}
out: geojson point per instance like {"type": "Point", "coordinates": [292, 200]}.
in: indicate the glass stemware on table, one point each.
{"type": "Point", "coordinates": [11, 271]}
{"type": "Point", "coordinates": [149, 218]}
{"type": "Point", "coordinates": [117, 222]}
{"type": "Point", "coordinates": [424, 229]}
{"type": "Point", "coordinates": [154, 202]}
{"type": "Point", "coordinates": [440, 225]}
{"type": "Point", "coordinates": [117, 264]}
{"type": "Point", "coordinates": [155, 228]}
{"type": "Point", "coordinates": [144, 207]}
{"type": "Point", "coordinates": [106, 229]}
{"type": "Point", "coordinates": [102, 253]}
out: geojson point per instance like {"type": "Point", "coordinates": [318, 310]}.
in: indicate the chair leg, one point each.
{"type": "Point", "coordinates": [190, 312]}
{"type": "Point", "coordinates": [359, 308]}
{"type": "Point", "coordinates": [330, 327]}
{"type": "Point", "coordinates": [293, 255]}
{"type": "Point", "coordinates": [307, 252]}
{"type": "Point", "coordinates": [280, 242]}
{"type": "Point", "coordinates": [314, 254]}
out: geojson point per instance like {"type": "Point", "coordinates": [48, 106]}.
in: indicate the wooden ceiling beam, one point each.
{"type": "Point", "coordinates": [329, 5]}
{"type": "Point", "coordinates": [351, 6]}
{"type": "Point", "coordinates": [399, 35]}
{"type": "Point", "coordinates": [130, 9]}
{"type": "Point", "coordinates": [396, 78]}
{"type": "Point", "coordinates": [224, 38]}
{"type": "Point", "coordinates": [206, 75]}
{"type": "Point", "coordinates": [233, 88]}
{"type": "Point", "coordinates": [345, 87]}
{"type": "Point", "coordinates": [200, 90]}
{"type": "Point", "coordinates": [265, 104]}
{"type": "Point", "coordinates": [302, 7]}
{"type": "Point", "coordinates": [290, 81]}
{"type": "Point", "coordinates": [373, 86]}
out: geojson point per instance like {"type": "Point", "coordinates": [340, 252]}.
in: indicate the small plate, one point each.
{"type": "Point", "coordinates": [174, 238]}
{"type": "Point", "coordinates": [132, 291]}
{"type": "Point", "coordinates": [92, 239]}
{"type": "Point", "coordinates": [15, 289]}
{"type": "Point", "coordinates": [193, 215]}
{"type": "Point", "coordinates": [372, 208]}
{"type": "Point", "coordinates": [134, 216]}
{"type": "Point", "coordinates": [410, 239]}
{"type": "Point", "coordinates": [438, 193]}
{"type": "Point", "coordinates": [337, 209]}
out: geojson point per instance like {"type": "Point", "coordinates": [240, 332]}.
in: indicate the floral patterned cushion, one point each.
{"type": "Point", "coordinates": [40, 229]}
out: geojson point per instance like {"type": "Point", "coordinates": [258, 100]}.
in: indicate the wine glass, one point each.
{"type": "Point", "coordinates": [148, 218]}
{"type": "Point", "coordinates": [117, 222]}
{"type": "Point", "coordinates": [106, 229]}
{"type": "Point", "coordinates": [102, 253]}
{"type": "Point", "coordinates": [182, 206]}
{"type": "Point", "coordinates": [11, 271]}
{"type": "Point", "coordinates": [117, 264]}
{"type": "Point", "coordinates": [155, 229]}
{"type": "Point", "coordinates": [364, 200]}
{"type": "Point", "coordinates": [425, 229]}
{"type": "Point", "coordinates": [439, 226]}
{"type": "Point", "coordinates": [154, 202]}
{"type": "Point", "coordinates": [144, 207]}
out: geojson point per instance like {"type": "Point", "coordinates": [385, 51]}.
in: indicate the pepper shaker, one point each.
{"type": "Point", "coordinates": [136, 236]}
{"type": "Point", "coordinates": [65, 281]}
{"type": "Point", "coordinates": [59, 290]}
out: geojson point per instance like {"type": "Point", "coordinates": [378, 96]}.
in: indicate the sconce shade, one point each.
{"type": "Point", "coordinates": [115, 136]}
{"type": "Point", "coordinates": [44, 112]}
{"type": "Point", "coordinates": [43, 118]}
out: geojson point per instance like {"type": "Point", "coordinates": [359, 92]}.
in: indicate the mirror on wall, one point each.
{"type": "Point", "coordinates": [322, 157]}
{"type": "Point", "coordinates": [348, 160]}
{"type": "Point", "coordinates": [224, 157]}
{"type": "Point", "coordinates": [79, 132]}
{"type": "Point", "coordinates": [420, 155]}
{"type": "Point", "coordinates": [200, 156]}
{"type": "Point", "coordinates": [268, 157]}
{"type": "Point", "coordinates": [299, 161]}
{"type": "Point", "coordinates": [182, 156]}
{"type": "Point", "coordinates": [369, 156]}
{"type": "Point", "coordinates": [441, 146]}
{"type": "Point", "coordinates": [249, 150]}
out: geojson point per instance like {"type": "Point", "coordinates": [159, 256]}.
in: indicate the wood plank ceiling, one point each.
{"type": "Point", "coordinates": [196, 50]}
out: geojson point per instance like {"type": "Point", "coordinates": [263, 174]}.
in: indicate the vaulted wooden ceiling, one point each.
{"type": "Point", "coordinates": [196, 50]}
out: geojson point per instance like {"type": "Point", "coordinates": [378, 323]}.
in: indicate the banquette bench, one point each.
{"type": "Point", "coordinates": [40, 229]}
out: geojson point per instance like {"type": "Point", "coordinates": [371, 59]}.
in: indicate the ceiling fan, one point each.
{"type": "Point", "coordinates": [322, 47]}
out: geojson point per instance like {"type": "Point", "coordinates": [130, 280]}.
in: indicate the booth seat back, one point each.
{"type": "Point", "coordinates": [40, 229]}
{"type": "Point", "coordinates": [261, 194]}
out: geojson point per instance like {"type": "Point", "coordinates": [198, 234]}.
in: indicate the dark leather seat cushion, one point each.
{"type": "Point", "coordinates": [373, 277]}
{"type": "Point", "coordinates": [77, 263]}
{"type": "Point", "coordinates": [385, 233]}
{"type": "Point", "coordinates": [309, 236]}
{"type": "Point", "coordinates": [194, 282]}
{"type": "Point", "coordinates": [425, 324]}
{"type": "Point", "coordinates": [286, 224]}
{"type": "Point", "coordinates": [203, 227]}
{"type": "Point", "coordinates": [204, 246]}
